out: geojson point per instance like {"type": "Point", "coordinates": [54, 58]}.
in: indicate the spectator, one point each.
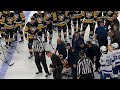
{"type": "Point", "coordinates": [101, 34]}
{"type": "Point", "coordinates": [61, 48]}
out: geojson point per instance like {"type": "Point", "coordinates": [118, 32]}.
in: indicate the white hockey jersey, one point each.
{"type": "Point", "coordinates": [115, 57]}
{"type": "Point", "coordinates": [105, 64]}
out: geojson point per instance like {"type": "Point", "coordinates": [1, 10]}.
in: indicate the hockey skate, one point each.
{"type": "Point", "coordinates": [6, 46]}
{"type": "Point", "coordinates": [21, 41]}
{"type": "Point", "coordinates": [70, 37]}
{"type": "Point", "coordinates": [48, 74]}
{"type": "Point", "coordinates": [50, 41]}
{"type": "Point", "coordinates": [38, 73]}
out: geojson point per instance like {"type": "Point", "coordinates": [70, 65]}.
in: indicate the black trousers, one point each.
{"type": "Point", "coordinates": [97, 63]}
{"type": "Point", "coordinates": [30, 43]}
{"type": "Point", "coordinates": [21, 32]}
{"type": "Point", "coordinates": [92, 26]}
{"type": "Point", "coordinates": [74, 72]}
{"type": "Point", "coordinates": [41, 59]}
{"type": "Point", "coordinates": [102, 41]}
{"type": "Point", "coordinates": [87, 76]}
{"type": "Point", "coordinates": [57, 73]}
{"type": "Point", "coordinates": [9, 35]}
{"type": "Point", "coordinates": [108, 23]}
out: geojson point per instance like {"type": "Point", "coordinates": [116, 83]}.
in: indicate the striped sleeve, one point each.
{"type": "Point", "coordinates": [79, 68]}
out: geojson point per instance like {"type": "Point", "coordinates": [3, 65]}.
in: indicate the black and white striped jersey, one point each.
{"type": "Point", "coordinates": [84, 66]}
{"type": "Point", "coordinates": [38, 46]}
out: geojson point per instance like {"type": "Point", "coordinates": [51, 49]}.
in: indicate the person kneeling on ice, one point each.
{"type": "Point", "coordinates": [39, 53]}
{"type": "Point", "coordinates": [115, 60]}
{"type": "Point", "coordinates": [66, 72]}
{"type": "Point", "coordinates": [56, 65]}
{"type": "Point", "coordinates": [105, 64]}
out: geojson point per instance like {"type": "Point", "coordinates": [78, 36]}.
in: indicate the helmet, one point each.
{"type": "Point", "coordinates": [115, 45]}
{"type": "Point", "coordinates": [103, 49]}
{"type": "Point", "coordinates": [33, 18]}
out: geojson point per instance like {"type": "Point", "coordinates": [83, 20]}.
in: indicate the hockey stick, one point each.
{"type": "Point", "coordinates": [14, 48]}
{"type": "Point", "coordinates": [6, 50]}
{"type": "Point", "coordinates": [52, 46]}
{"type": "Point", "coordinates": [7, 63]}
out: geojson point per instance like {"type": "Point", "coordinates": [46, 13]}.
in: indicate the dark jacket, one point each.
{"type": "Point", "coordinates": [56, 62]}
{"type": "Point", "coordinates": [72, 58]}
{"type": "Point", "coordinates": [101, 31]}
{"type": "Point", "coordinates": [116, 38]}
{"type": "Point", "coordinates": [84, 49]}
{"type": "Point", "coordinates": [93, 51]}
{"type": "Point", "coordinates": [76, 43]}
{"type": "Point", "coordinates": [62, 50]}
{"type": "Point", "coordinates": [116, 22]}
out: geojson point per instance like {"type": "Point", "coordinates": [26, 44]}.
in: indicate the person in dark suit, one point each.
{"type": "Point", "coordinates": [93, 52]}
{"type": "Point", "coordinates": [56, 64]}
{"type": "Point", "coordinates": [61, 48]}
{"type": "Point", "coordinates": [73, 62]}
{"type": "Point", "coordinates": [76, 42]}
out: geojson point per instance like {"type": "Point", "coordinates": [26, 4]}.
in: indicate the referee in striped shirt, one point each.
{"type": "Point", "coordinates": [39, 53]}
{"type": "Point", "coordinates": [84, 67]}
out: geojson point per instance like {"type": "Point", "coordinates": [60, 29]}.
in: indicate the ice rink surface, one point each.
{"type": "Point", "coordinates": [23, 67]}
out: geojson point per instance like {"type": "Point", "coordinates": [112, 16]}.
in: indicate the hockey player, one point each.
{"type": "Point", "coordinates": [98, 16]}
{"type": "Point", "coordinates": [68, 15]}
{"type": "Point", "coordinates": [2, 20]}
{"type": "Point", "coordinates": [48, 23]}
{"type": "Point", "coordinates": [40, 19]}
{"type": "Point", "coordinates": [88, 20]}
{"type": "Point", "coordinates": [19, 24]}
{"type": "Point", "coordinates": [9, 28]}
{"type": "Point", "coordinates": [30, 30]}
{"type": "Point", "coordinates": [105, 64]}
{"type": "Point", "coordinates": [108, 15]}
{"type": "Point", "coordinates": [62, 25]}
{"type": "Point", "coordinates": [115, 60]}
{"type": "Point", "coordinates": [77, 16]}
{"type": "Point", "coordinates": [54, 20]}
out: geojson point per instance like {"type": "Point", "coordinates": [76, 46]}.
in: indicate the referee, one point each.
{"type": "Point", "coordinates": [84, 67]}
{"type": "Point", "coordinates": [39, 53]}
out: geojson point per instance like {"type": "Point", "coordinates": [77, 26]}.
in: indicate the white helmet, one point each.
{"type": "Point", "coordinates": [103, 49]}
{"type": "Point", "coordinates": [115, 45]}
